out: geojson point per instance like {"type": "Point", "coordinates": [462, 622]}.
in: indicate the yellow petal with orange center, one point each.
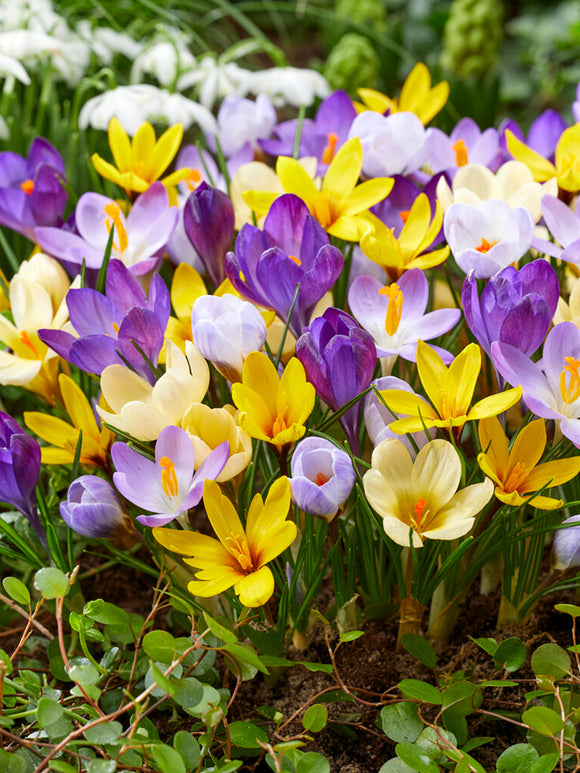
{"type": "Point", "coordinates": [120, 145]}
{"type": "Point", "coordinates": [164, 151]}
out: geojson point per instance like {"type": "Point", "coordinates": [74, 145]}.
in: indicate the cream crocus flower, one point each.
{"type": "Point", "coordinates": [37, 300]}
{"type": "Point", "coordinates": [208, 427]}
{"type": "Point", "coordinates": [421, 498]}
{"type": "Point", "coordinates": [513, 183]}
{"type": "Point", "coordinates": [569, 312]}
{"type": "Point", "coordinates": [142, 410]}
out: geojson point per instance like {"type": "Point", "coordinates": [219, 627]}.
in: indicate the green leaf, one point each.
{"type": "Point", "coordinates": [10, 763]}
{"type": "Point", "coordinates": [5, 659]}
{"type": "Point", "coordinates": [487, 644]}
{"type": "Point", "coordinates": [61, 766]}
{"type": "Point", "coordinates": [106, 732]}
{"type": "Point", "coordinates": [188, 748]}
{"type": "Point", "coordinates": [350, 636]}
{"type": "Point", "coordinates": [569, 609]}
{"type": "Point", "coordinates": [160, 646]}
{"type": "Point", "coordinates": [517, 759]}
{"type": "Point", "coordinates": [400, 721]}
{"type": "Point", "coordinates": [51, 582]}
{"type": "Point", "coordinates": [396, 766]}
{"type": "Point", "coordinates": [166, 684]}
{"type": "Point", "coordinates": [242, 652]}
{"type": "Point", "coordinates": [430, 741]}
{"type": "Point", "coordinates": [220, 631]}
{"type": "Point", "coordinates": [420, 649]}
{"type": "Point", "coordinates": [462, 698]}
{"type": "Point", "coordinates": [80, 622]}
{"type": "Point", "coordinates": [422, 691]}
{"type": "Point", "coordinates": [84, 674]}
{"type": "Point", "coordinates": [188, 692]}
{"type": "Point", "coordinates": [545, 764]}
{"type": "Point", "coordinates": [247, 735]}
{"type": "Point", "coordinates": [510, 653]}
{"type": "Point", "coordinates": [311, 762]}
{"type": "Point", "coordinates": [416, 758]}
{"type": "Point", "coordinates": [48, 712]}
{"type": "Point", "coordinates": [550, 660]}
{"type": "Point", "coordinates": [17, 590]}
{"type": "Point", "coordinates": [315, 718]}
{"type": "Point", "coordinates": [167, 759]}
{"type": "Point", "coordinates": [104, 612]}
{"type": "Point", "coordinates": [274, 660]}
{"type": "Point", "coordinates": [543, 720]}
{"type": "Point", "coordinates": [102, 766]}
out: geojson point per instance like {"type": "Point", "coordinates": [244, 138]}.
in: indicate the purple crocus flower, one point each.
{"type": "Point", "coordinates": [170, 485]}
{"type": "Point", "coordinates": [107, 325]}
{"type": "Point", "coordinates": [92, 507]}
{"type": "Point", "coordinates": [140, 238]}
{"type": "Point", "coordinates": [516, 307]}
{"type": "Point", "coordinates": [322, 477]}
{"type": "Point", "coordinates": [19, 471]}
{"type": "Point", "coordinates": [339, 358]}
{"type": "Point", "coordinates": [542, 137]}
{"type": "Point", "coordinates": [208, 220]}
{"type": "Point", "coordinates": [31, 191]}
{"type": "Point", "coordinates": [466, 144]}
{"type": "Point", "coordinates": [551, 387]}
{"type": "Point", "coordinates": [566, 547]}
{"type": "Point", "coordinates": [564, 225]}
{"type": "Point", "coordinates": [293, 249]}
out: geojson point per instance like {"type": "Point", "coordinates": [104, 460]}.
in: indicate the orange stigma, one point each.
{"type": "Point", "coordinates": [168, 476]}
{"type": "Point", "coordinates": [461, 156]}
{"type": "Point", "coordinates": [516, 477]}
{"type": "Point", "coordinates": [485, 246]}
{"type": "Point", "coordinates": [330, 149]}
{"type": "Point", "coordinates": [25, 338]}
{"type": "Point", "coordinates": [27, 186]}
{"type": "Point", "coordinates": [321, 479]}
{"type": "Point", "coordinates": [295, 260]}
{"type": "Point", "coordinates": [404, 215]}
{"type": "Point", "coordinates": [193, 179]}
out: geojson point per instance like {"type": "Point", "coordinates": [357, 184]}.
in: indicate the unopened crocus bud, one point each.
{"type": "Point", "coordinates": [566, 548]}
{"type": "Point", "coordinates": [322, 477]}
{"type": "Point", "coordinates": [225, 330]}
{"type": "Point", "coordinates": [208, 219]}
{"type": "Point", "coordinates": [92, 507]}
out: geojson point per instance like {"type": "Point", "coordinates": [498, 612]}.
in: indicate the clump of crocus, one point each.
{"type": "Point", "coordinates": [92, 507]}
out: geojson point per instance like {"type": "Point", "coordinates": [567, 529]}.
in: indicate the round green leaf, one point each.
{"type": "Point", "coordinates": [315, 718]}
{"type": "Point", "coordinates": [160, 646]}
{"type": "Point", "coordinates": [48, 712]}
{"type": "Point", "coordinates": [51, 582]}
{"type": "Point", "coordinates": [104, 612]}
{"type": "Point", "coordinates": [422, 691]}
{"type": "Point", "coordinates": [400, 721]}
{"type": "Point", "coordinates": [416, 758]}
{"type": "Point", "coordinates": [167, 759]}
{"type": "Point", "coordinates": [517, 759]}
{"type": "Point", "coordinates": [550, 660]}
{"type": "Point", "coordinates": [17, 590]}
{"type": "Point", "coordinates": [247, 735]}
{"type": "Point", "coordinates": [569, 609]}
{"type": "Point", "coordinates": [188, 748]}
{"type": "Point", "coordinates": [510, 653]}
{"type": "Point", "coordinates": [396, 766]}
{"type": "Point", "coordinates": [543, 720]}
{"type": "Point", "coordinates": [106, 732]}
{"type": "Point", "coordinates": [102, 766]}
{"type": "Point", "coordinates": [311, 762]}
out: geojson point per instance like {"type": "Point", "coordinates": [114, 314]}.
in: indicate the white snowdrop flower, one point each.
{"type": "Point", "coordinates": [216, 80]}
{"type": "Point", "coordinates": [292, 86]}
{"type": "Point", "coordinates": [164, 59]}
{"type": "Point", "coordinates": [11, 67]}
{"type": "Point", "coordinates": [105, 42]}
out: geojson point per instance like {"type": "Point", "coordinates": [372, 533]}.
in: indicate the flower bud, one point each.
{"type": "Point", "coordinates": [92, 507]}
{"type": "Point", "coordinates": [322, 477]}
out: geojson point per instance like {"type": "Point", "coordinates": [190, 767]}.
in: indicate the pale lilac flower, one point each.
{"type": "Point", "coordinates": [226, 329]}
{"type": "Point", "coordinates": [168, 486]}
{"type": "Point", "coordinates": [378, 417]}
{"type": "Point", "coordinates": [392, 144]}
{"type": "Point", "coordinates": [395, 315]}
{"type": "Point", "coordinates": [466, 144]}
{"type": "Point", "coordinates": [564, 225]}
{"type": "Point", "coordinates": [92, 507]}
{"type": "Point", "coordinates": [487, 238]}
{"type": "Point", "coordinates": [322, 477]}
{"type": "Point", "coordinates": [566, 547]}
{"type": "Point", "coordinates": [242, 122]}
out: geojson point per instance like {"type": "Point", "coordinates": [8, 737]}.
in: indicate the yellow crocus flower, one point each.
{"type": "Point", "coordinates": [142, 161]}
{"type": "Point", "coordinates": [516, 472]}
{"type": "Point", "coordinates": [567, 159]}
{"type": "Point", "coordinates": [417, 96]}
{"type": "Point", "coordinates": [237, 557]}
{"type": "Point", "coordinates": [64, 437]}
{"type": "Point", "coordinates": [340, 206]}
{"type": "Point", "coordinates": [450, 390]}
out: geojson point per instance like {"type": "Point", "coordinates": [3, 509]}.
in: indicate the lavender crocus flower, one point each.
{"type": "Point", "coordinates": [226, 329]}
{"type": "Point", "coordinates": [378, 417]}
{"type": "Point", "coordinates": [107, 325]}
{"type": "Point", "coordinates": [170, 485]}
{"type": "Point", "coordinates": [92, 507]}
{"type": "Point", "coordinates": [322, 477]}
{"type": "Point", "coordinates": [392, 144]}
{"type": "Point", "coordinates": [543, 135]}
{"type": "Point", "coordinates": [31, 191]}
{"type": "Point", "coordinates": [140, 238]}
{"type": "Point", "coordinates": [466, 144]}
{"type": "Point", "coordinates": [566, 547]}
{"type": "Point", "coordinates": [242, 122]}
{"type": "Point", "coordinates": [19, 471]}
{"type": "Point", "coordinates": [339, 358]}
{"type": "Point", "coordinates": [395, 315]}
{"type": "Point", "coordinates": [564, 225]}
{"type": "Point", "coordinates": [293, 249]}
{"type": "Point", "coordinates": [208, 220]}
{"type": "Point", "coordinates": [516, 307]}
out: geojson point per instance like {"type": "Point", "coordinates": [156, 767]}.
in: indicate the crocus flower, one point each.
{"type": "Point", "coordinates": [339, 358]}
{"type": "Point", "coordinates": [31, 191]}
{"type": "Point", "coordinates": [208, 220]}
{"type": "Point", "coordinates": [551, 387]}
{"type": "Point", "coordinates": [516, 307]}
{"type": "Point", "coordinates": [19, 471]}
{"type": "Point", "coordinates": [92, 507]}
{"type": "Point", "coordinates": [226, 329]}
{"type": "Point", "coordinates": [237, 557]}
{"type": "Point", "coordinates": [466, 144]}
{"type": "Point", "coordinates": [273, 408]}
{"type": "Point", "coordinates": [142, 160]}
{"type": "Point", "coordinates": [564, 225]}
{"type": "Point", "coordinates": [489, 237]}
{"type": "Point", "coordinates": [543, 136]}
{"type": "Point", "coordinates": [516, 472]}
{"type": "Point", "coordinates": [569, 312]}
{"type": "Point", "coordinates": [421, 498]}
{"type": "Point", "coordinates": [450, 391]}
{"type": "Point", "coordinates": [565, 164]}
{"type": "Point", "coordinates": [64, 437]}
{"type": "Point", "coordinates": [242, 122]}
{"type": "Point", "coordinates": [169, 486]}
{"type": "Point", "coordinates": [292, 250]}
{"type": "Point", "coordinates": [395, 315]}
{"type": "Point", "coordinates": [566, 548]}
{"type": "Point", "coordinates": [392, 144]}
{"type": "Point", "coordinates": [378, 417]}
{"type": "Point", "coordinates": [322, 477]}
{"type": "Point", "coordinates": [139, 240]}
{"type": "Point", "coordinates": [340, 206]}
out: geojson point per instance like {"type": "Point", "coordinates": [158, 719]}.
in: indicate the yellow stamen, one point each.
{"type": "Point", "coordinates": [279, 425]}
{"type": "Point", "coordinates": [295, 259]}
{"type": "Point", "coordinates": [116, 328]}
{"type": "Point", "coordinates": [25, 339]}
{"type": "Point", "coordinates": [485, 246]}
{"type": "Point", "coordinates": [114, 211]}
{"type": "Point", "coordinates": [394, 309]}
{"type": "Point", "coordinates": [330, 150]}
{"type": "Point", "coordinates": [27, 186]}
{"type": "Point", "coordinates": [570, 391]}
{"type": "Point", "coordinates": [404, 215]}
{"type": "Point", "coordinates": [516, 477]}
{"type": "Point", "coordinates": [239, 549]}
{"type": "Point", "coordinates": [461, 155]}
{"type": "Point", "coordinates": [193, 179]}
{"type": "Point", "coordinates": [168, 476]}
{"type": "Point", "coordinates": [321, 479]}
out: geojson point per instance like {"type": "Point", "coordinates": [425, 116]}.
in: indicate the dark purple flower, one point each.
{"type": "Point", "coordinates": [108, 324]}
{"type": "Point", "coordinates": [208, 219]}
{"type": "Point", "coordinates": [31, 191]}
{"type": "Point", "coordinates": [516, 307]}
{"type": "Point", "coordinates": [339, 358]}
{"type": "Point", "coordinates": [19, 471]}
{"type": "Point", "coordinates": [92, 507]}
{"type": "Point", "coordinates": [293, 249]}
